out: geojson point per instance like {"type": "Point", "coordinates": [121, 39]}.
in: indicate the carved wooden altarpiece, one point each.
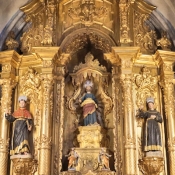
{"type": "Point", "coordinates": [64, 43]}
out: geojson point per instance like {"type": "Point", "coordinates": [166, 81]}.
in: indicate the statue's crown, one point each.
{"type": "Point", "coordinates": [22, 97]}
{"type": "Point", "coordinates": [150, 100]}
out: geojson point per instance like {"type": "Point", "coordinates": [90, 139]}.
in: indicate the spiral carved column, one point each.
{"type": "Point", "coordinates": [165, 60]}
{"type": "Point", "coordinates": [7, 86]}
{"type": "Point", "coordinates": [46, 126]}
{"type": "Point", "coordinates": [168, 89]}
{"type": "Point", "coordinates": [130, 147]}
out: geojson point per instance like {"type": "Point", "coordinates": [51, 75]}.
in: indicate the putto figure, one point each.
{"type": "Point", "coordinates": [103, 159]}
{"type": "Point", "coordinates": [73, 159]}
{"type": "Point", "coordinates": [89, 104]}
{"type": "Point", "coordinates": [22, 125]}
{"type": "Point", "coordinates": [152, 134]}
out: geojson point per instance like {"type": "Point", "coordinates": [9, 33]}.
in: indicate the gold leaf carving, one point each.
{"type": "Point", "coordinates": [27, 165]}
{"type": "Point", "coordinates": [146, 85]}
{"type": "Point", "coordinates": [10, 41]}
{"type": "Point", "coordinates": [87, 11]}
{"type": "Point", "coordinates": [4, 144]}
{"type": "Point", "coordinates": [45, 142]}
{"type": "Point", "coordinates": [164, 42]}
{"type": "Point", "coordinates": [80, 40]}
{"type": "Point", "coordinates": [124, 24]}
{"type": "Point", "coordinates": [151, 165]}
{"type": "Point", "coordinates": [143, 36]}
{"type": "Point", "coordinates": [89, 62]}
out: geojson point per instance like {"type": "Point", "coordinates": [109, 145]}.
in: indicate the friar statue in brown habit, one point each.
{"type": "Point", "coordinates": [22, 125]}
{"type": "Point", "coordinates": [152, 134]}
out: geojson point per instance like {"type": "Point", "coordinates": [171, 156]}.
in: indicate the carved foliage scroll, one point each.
{"type": "Point", "coordinates": [144, 37]}
{"type": "Point", "coordinates": [30, 85]}
{"type": "Point", "coordinates": [42, 27]}
{"type": "Point", "coordinates": [146, 84]}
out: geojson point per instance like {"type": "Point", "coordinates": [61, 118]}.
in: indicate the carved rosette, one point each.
{"type": "Point", "coordinates": [151, 165]}
{"type": "Point", "coordinates": [27, 166]}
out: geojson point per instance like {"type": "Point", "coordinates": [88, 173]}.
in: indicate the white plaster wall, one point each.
{"type": "Point", "coordinates": [8, 8]}
{"type": "Point", "coordinates": [166, 7]}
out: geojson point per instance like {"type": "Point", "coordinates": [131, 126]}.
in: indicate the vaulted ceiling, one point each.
{"type": "Point", "coordinates": [11, 18]}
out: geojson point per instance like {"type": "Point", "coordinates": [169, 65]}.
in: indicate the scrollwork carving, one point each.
{"type": "Point", "coordinates": [87, 11]}
{"type": "Point", "coordinates": [143, 36]}
{"type": "Point", "coordinates": [146, 84]}
{"type": "Point", "coordinates": [41, 31]}
{"type": "Point", "coordinates": [151, 165]}
{"type": "Point", "coordinates": [124, 24]}
{"type": "Point", "coordinates": [30, 85]}
{"type": "Point", "coordinates": [164, 42]}
{"type": "Point", "coordinates": [10, 42]}
{"type": "Point", "coordinates": [27, 166]}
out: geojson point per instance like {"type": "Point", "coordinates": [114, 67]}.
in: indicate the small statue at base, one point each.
{"type": "Point", "coordinates": [103, 159]}
{"type": "Point", "coordinates": [73, 159]}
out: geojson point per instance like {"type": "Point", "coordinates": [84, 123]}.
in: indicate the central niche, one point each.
{"type": "Point", "coordinates": [90, 69]}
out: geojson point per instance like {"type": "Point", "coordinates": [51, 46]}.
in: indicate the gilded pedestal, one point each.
{"type": "Point", "coordinates": [24, 165]}
{"type": "Point", "coordinates": [151, 165]}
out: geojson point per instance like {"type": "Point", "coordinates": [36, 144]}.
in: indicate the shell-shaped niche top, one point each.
{"type": "Point", "coordinates": [90, 62]}
{"type": "Point", "coordinates": [91, 68]}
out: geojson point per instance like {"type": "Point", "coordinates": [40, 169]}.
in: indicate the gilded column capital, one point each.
{"type": "Point", "coordinates": [171, 144]}
{"type": "Point", "coordinates": [129, 142]}
{"type": "Point", "coordinates": [162, 56]}
{"type": "Point", "coordinates": [46, 54]}
{"type": "Point", "coordinates": [45, 142]}
{"type": "Point", "coordinates": [126, 81]}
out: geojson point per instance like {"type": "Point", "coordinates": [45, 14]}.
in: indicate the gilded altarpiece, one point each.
{"type": "Point", "coordinates": [110, 43]}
